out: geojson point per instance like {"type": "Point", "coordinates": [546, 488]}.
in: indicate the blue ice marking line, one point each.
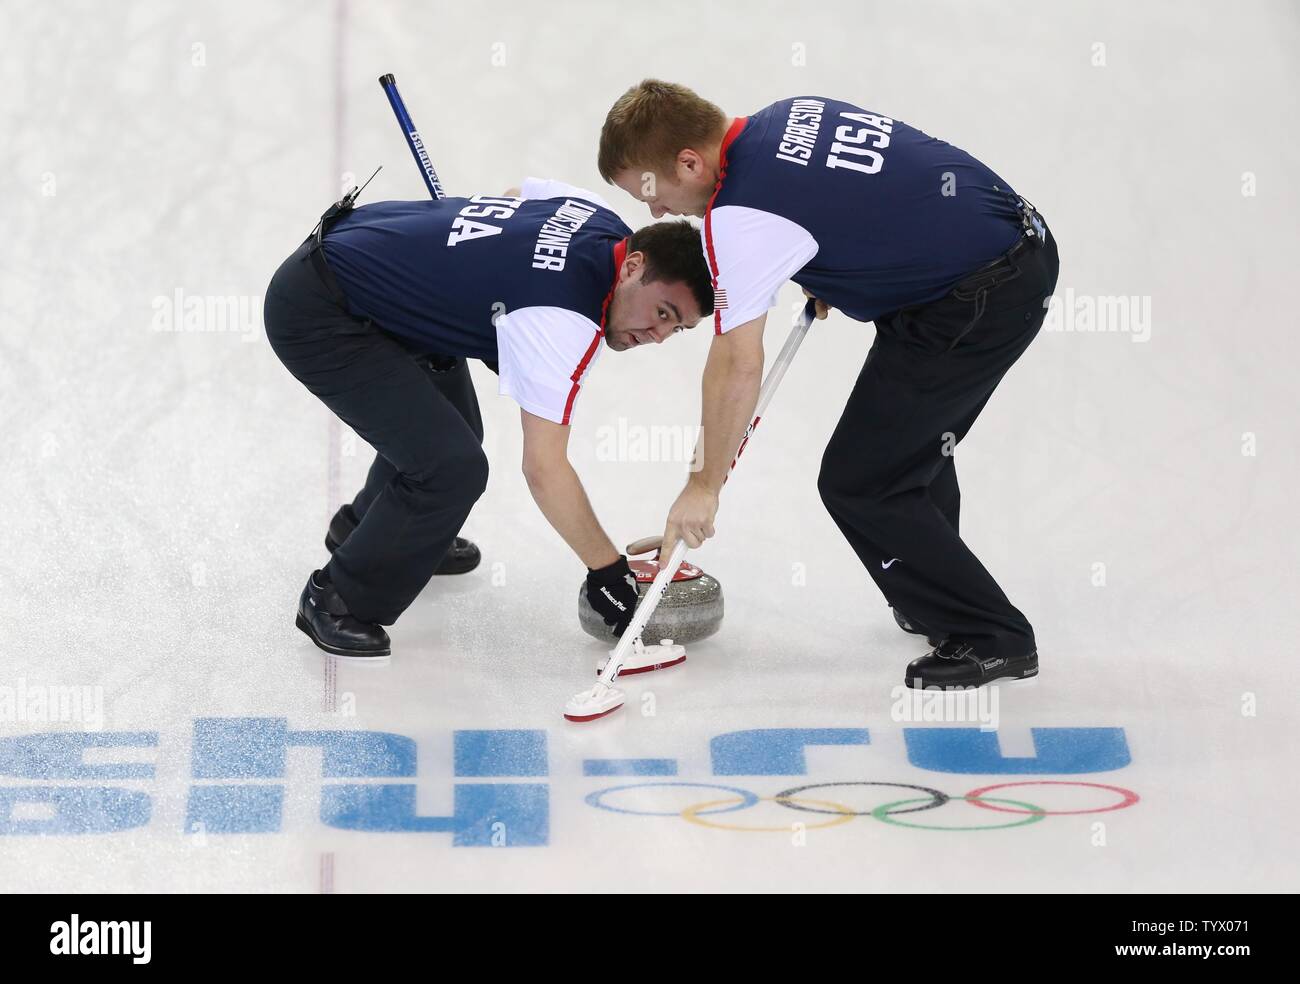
{"type": "Point", "coordinates": [78, 809]}
{"type": "Point", "coordinates": [629, 767]}
{"type": "Point", "coordinates": [775, 751]}
{"type": "Point", "coordinates": [1058, 751]}
{"type": "Point", "coordinates": [242, 809]}
{"type": "Point", "coordinates": [484, 815]}
{"type": "Point", "coordinates": [59, 755]}
{"type": "Point", "coordinates": [254, 748]}
{"type": "Point", "coordinates": [75, 809]}
{"type": "Point", "coordinates": [500, 754]}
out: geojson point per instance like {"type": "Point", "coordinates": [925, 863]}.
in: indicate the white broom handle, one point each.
{"type": "Point", "coordinates": [666, 571]}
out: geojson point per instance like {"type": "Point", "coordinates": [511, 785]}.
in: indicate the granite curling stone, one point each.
{"type": "Point", "coordinates": [690, 610]}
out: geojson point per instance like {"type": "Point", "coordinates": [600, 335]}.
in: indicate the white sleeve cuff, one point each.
{"type": "Point", "coordinates": [752, 254]}
{"type": "Point", "coordinates": [544, 356]}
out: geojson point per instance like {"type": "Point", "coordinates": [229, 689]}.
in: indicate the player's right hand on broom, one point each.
{"type": "Point", "coordinates": [612, 594]}
{"type": "Point", "coordinates": [690, 519]}
{"type": "Point", "coordinates": [821, 307]}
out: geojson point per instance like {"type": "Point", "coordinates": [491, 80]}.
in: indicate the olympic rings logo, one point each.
{"type": "Point", "coordinates": [737, 799]}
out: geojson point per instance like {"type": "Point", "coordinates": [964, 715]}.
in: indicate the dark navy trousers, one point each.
{"type": "Point", "coordinates": [888, 475]}
{"type": "Point", "coordinates": [425, 427]}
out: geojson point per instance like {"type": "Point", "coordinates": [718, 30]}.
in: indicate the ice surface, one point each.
{"type": "Point", "coordinates": [165, 493]}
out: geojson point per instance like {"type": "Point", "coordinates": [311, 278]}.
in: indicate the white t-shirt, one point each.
{"type": "Point", "coordinates": [545, 353]}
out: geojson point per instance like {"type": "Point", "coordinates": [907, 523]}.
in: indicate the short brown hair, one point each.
{"type": "Point", "coordinates": [651, 123]}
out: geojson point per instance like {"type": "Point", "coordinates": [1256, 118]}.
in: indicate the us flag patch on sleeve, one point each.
{"type": "Point", "coordinates": [719, 298]}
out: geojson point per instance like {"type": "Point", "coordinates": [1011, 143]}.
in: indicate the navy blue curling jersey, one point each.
{"type": "Point", "coordinates": [523, 282]}
{"type": "Point", "coordinates": [866, 212]}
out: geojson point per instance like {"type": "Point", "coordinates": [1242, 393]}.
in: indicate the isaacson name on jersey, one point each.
{"type": "Point", "coordinates": [522, 282]}
{"type": "Point", "coordinates": [866, 212]}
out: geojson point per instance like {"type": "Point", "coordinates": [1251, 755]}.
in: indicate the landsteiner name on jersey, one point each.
{"type": "Point", "coordinates": [556, 233]}
{"type": "Point", "coordinates": [553, 238]}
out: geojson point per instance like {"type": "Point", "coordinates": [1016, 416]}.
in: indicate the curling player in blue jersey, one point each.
{"type": "Point", "coordinates": [376, 314]}
{"type": "Point", "coordinates": [886, 224]}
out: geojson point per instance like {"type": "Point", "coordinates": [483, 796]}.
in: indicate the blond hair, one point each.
{"type": "Point", "coordinates": [651, 123]}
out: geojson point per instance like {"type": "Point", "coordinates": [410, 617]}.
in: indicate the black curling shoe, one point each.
{"type": "Point", "coordinates": [325, 619]}
{"type": "Point", "coordinates": [915, 628]}
{"type": "Point", "coordinates": [462, 557]}
{"type": "Point", "coordinates": [956, 665]}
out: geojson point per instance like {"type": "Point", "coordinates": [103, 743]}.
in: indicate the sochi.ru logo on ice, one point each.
{"type": "Point", "coordinates": [72, 783]}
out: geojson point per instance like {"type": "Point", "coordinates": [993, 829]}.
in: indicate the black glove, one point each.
{"type": "Point", "coordinates": [611, 592]}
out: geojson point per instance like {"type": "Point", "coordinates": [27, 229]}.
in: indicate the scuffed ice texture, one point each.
{"type": "Point", "coordinates": [164, 493]}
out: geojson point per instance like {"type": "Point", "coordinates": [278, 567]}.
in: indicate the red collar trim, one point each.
{"type": "Point", "coordinates": [733, 132]}
{"type": "Point", "coordinates": [620, 254]}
